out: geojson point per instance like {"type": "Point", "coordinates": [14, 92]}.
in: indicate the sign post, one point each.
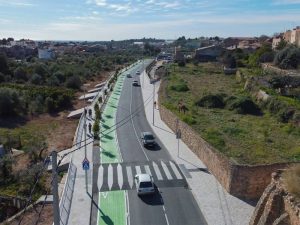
{"type": "Point", "coordinates": [86, 167]}
{"type": "Point", "coordinates": [178, 136]}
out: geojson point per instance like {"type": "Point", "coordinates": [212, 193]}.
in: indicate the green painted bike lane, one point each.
{"type": "Point", "coordinates": [112, 204]}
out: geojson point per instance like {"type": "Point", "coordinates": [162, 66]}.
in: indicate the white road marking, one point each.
{"type": "Point", "coordinates": [166, 170]}
{"type": "Point", "coordinates": [138, 170]}
{"type": "Point", "coordinates": [100, 177]}
{"type": "Point", "coordinates": [120, 175]}
{"type": "Point", "coordinates": [147, 168]}
{"type": "Point", "coordinates": [110, 176]}
{"type": "Point", "coordinates": [175, 170]}
{"type": "Point", "coordinates": [157, 171]}
{"type": "Point", "coordinates": [129, 176]}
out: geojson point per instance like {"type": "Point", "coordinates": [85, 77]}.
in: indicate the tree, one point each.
{"type": "Point", "coordinates": [5, 168]}
{"type": "Point", "coordinates": [36, 79]}
{"type": "Point", "coordinates": [3, 63]}
{"type": "Point", "coordinates": [20, 74]}
{"type": "Point", "coordinates": [9, 102]}
{"type": "Point", "coordinates": [229, 61]}
{"type": "Point", "coordinates": [288, 58]}
{"type": "Point", "coordinates": [281, 45]}
{"type": "Point", "coordinates": [96, 129]}
{"type": "Point", "coordinates": [73, 82]}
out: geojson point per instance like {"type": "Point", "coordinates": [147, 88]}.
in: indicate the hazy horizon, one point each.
{"type": "Point", "coordinates": [105, 20]}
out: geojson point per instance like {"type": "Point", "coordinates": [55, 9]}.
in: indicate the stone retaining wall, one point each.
{"type": "Point", "coordinates": [244, 181]}
{"type": "Point", "coordinates": [276, 205]}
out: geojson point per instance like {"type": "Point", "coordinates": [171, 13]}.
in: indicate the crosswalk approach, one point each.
{"type": "Point", "coordinates": [120, 176]}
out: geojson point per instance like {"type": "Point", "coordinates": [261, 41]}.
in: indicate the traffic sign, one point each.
{"type": "Point", "coordinates": [85, 164]}
{"type": "Point", "coordinates": [178, 134]}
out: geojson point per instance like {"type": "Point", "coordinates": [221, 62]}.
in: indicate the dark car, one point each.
{"type": "Point", "coordinates": [148, 139]}
{"type": "Point", "coordinates": [135, 83]}
{"type": "Point", "coordinates": [129, 75]}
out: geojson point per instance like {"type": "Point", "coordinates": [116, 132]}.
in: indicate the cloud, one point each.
{"type": "Point", "coordinates": [286, 2]}
{"type": "Point", "coordinates": [17, 3]}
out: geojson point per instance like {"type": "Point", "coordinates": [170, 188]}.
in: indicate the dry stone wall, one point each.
{"type": "Point", "coordinates": [276, 206]}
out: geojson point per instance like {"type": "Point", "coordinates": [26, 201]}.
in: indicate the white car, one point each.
{"type": "Point", "coordinates": [138, 72]}
{"type": "Point", "coordinates": [144, 184]}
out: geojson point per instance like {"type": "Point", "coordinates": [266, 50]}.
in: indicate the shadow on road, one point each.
{"type": "Point", "coordinates": [156, 147]}
{"type": "Point", "coordinates": [108, 154]}
{"type": "Point", "coordinates": [154, 199]}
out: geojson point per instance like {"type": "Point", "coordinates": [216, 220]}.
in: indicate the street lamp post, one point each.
{"type": "Point", "coordinates": [153, 102]}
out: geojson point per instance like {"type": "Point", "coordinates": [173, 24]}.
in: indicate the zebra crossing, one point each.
{"type": "Point", "coordinates": [120, 176]}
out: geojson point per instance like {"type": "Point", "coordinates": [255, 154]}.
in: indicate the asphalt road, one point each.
{"type": "Point", "coordinates": [170, 205]}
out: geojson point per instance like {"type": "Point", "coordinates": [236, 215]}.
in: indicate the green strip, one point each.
{"type": "Point", "coordinates": [112, 204]}
{"type": "Point", "coordinates": [112, 208]}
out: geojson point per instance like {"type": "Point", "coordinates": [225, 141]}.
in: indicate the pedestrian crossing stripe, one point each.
{"type": "Point", "coordinates": [120, 176]}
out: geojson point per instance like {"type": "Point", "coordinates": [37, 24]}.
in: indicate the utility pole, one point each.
{"type": "Point", "coordinates": [56, 213]}
{"type": "Point", "coordinates": [85, 111]}
{"type": "Point", "coordinates": [153, 102]}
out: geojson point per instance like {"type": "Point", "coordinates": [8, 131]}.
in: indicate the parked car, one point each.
{"type": "Point", "coordinates": [148, 139]}
{"type": "Point", "coordinates": [129, 75]}
{"type": "Point", "coordinates": [144, 184]}
{"type": "Point", "coordinates": [135, 83]}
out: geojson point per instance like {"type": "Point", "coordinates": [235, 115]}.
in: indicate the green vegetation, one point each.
{"type": "Point", "coordinates": [227, 117]}
{"type": "Point", "coordinates": [288, 58]}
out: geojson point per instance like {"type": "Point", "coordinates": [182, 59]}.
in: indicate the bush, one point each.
{"type": "Point", "coordinates": [285, 115]}
{"type": "Point", "coordinates": [288, 58]}
{"type": "Point", "coordinates": [73, 82]}
{"type": "Point", "coordinates": [211, 101]}
{"type": "Point", "coordinates": [36, 79]}
{"type": "Point", "coordinates": [291, 179]}
{"type": "Point", "coordinates": [245, 105]}
{"type": "Point", "coordinates": [182, 87]}
{"type": "Point", "coordinates": [96, 129]}
{"type": "Point", "coordinates": [181, 63]}
{"type": "Point", "coordinates": [189, 120]}
{"type": "Point", "coordinates": [9, 102]}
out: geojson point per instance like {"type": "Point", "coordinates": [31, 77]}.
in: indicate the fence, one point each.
{"type": "Point", "coordinates": [66, 198]}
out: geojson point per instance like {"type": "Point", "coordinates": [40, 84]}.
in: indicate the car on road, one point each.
{"type": "Point", "coordinates": [144, 184]}
{"type": "Point", "coordinates": [138, 72]}
{"type": "Point", "coordinates": [135, 83]}
{"type": "Point", "coordinates": [129, 75]}
{"type": "Point", "coordinates": [148, 139]}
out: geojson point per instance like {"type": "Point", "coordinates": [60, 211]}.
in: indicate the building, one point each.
{"type": "Point", "coordinates": [46, 53]}
{"type": "Point", "coordinates": [293, 36]}
{"type": "Point", "coordinates": [209, 53]}
{"type": "Point", "coordinates": [178, 56]}
{"type": "Point", "coordinates": [276, 41]}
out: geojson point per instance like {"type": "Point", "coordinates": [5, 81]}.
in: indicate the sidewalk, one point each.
{"type": "Point", "coordinates": [217, 206]}
{"type": "Point", "coordinates": [82, 197]}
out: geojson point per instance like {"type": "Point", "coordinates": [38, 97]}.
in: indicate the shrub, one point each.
{"type": "Point", "coordinates": [288, 58]}
{"type": "Point", "coordinates": [182, 87]}
{"type": "Point", "coordinates": [291, 179]}
{"type": "Point", "coordinates": [36, 79]}
{"type": "Point", "coordinates": [9, 102]}
{"type": "Point", "coordinates": [189, 120]}
{"type": "Point", "coordinates": [181, 63]}
{"type": "Point", "coordinates": [211, 101]}
{"type": "Point", "coordinates": [285, 115]}
{"type": "Point", "coordinates": [73, 82]}
{"type": "Point", "coordinates": [245, 105]}
{"type": "Point", "coordinates": [96, 129]}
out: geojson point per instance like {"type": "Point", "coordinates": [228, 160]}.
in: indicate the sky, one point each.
{"type": "Point", "coordinates": [105, 20]}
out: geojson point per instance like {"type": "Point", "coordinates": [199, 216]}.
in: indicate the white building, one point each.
{"type": "Point", "coordinates": [46, 53]}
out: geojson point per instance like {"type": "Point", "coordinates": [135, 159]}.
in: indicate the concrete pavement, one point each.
{"type": "Point", "coordinates": [217, 206]}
